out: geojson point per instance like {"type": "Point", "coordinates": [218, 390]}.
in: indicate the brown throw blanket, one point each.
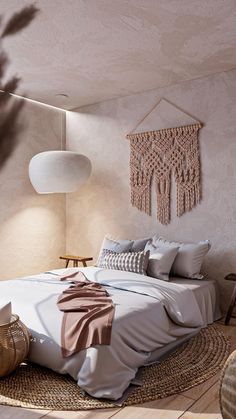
{"type": "Point", "coordinates": [88, 314]}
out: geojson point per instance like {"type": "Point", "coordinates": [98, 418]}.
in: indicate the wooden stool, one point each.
{"type": "Point", "coordinates": [232, 304]}
{"type": "Point", "coordinates": [76, 260]}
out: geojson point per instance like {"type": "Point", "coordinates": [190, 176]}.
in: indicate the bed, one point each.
{"type": "Point", "coordinates": [151, 318]}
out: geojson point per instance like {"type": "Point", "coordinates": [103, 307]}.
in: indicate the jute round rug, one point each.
{"type": "Point", "coordinates": [194, 362]}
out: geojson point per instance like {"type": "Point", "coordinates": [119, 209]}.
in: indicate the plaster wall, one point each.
{"type": "Point", "coordinates": [130, 46]}
{"type": "Point", "coordinates": [32, 226]}
{"type": "Point", "coordinates": [103, 204]}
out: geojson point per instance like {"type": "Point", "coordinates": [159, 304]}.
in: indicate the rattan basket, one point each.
{"type": "Point", "coordinates": [228, 388]}
{"type": "Point", "coordinates": [14, 345]}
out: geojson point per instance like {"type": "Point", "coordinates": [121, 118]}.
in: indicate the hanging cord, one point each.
{"type": "Point", "coordinates": [145, 116]}
{"type": "Point", "coordinates": [152, 109]}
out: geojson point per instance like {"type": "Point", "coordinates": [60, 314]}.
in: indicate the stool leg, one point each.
{"type": "Point", "coordinates": [84, 263]}
{"type": "Point", "coordinates": [75, 264]}
{"type": "Point", "coordinates": [67, 263]}
{"type": "Point", "coordinates": [231, 306]}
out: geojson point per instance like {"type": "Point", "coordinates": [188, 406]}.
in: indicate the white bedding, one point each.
{"type": "Point", "coordinates": [150, 315]}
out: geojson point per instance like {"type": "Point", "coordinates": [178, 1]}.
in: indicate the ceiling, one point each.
{"type": "Point", "coordinates": [94, 50]}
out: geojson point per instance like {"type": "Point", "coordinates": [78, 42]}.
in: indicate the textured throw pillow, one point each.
{"type": "Point", "coordinates": [117, 246]}
{"type": "Point", "coordinates": [132, 261]}
{"type": "Point", "coordinates": [189, 259]}
{"type": "Point", "coordinates": [5, 313]}
{"type": "Point", "coordinates": [160, 260]}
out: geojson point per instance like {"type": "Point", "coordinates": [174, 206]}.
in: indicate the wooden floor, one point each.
{"type": "Point", "coordinates": [200, 402]}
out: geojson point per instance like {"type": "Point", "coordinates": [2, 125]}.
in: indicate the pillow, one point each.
{"type": "Point", "coordinates": [113, 245]}
{"type": "Point", "coordinates": [5, 314]}
{"type": "Point", "coordinates": [160, 260]}
{"type": "Point", "coordinates": [132, 261]}
{"type": "Point", "coordinates": [189, 259]}
{"type": "Point", "coordinates": [139, 245]}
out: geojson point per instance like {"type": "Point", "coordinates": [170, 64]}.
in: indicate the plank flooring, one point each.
{"type": "Point", "coordinates": [200, 402]}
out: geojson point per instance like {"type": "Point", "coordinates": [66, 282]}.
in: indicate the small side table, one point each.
{"type": "Point", "coordinates": [232, 304]}
{"type": "Point", "coordinates": [76, 260]}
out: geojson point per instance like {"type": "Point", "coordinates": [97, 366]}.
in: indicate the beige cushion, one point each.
{"type": "Point", "coordinates": [5, 313]}
{"type": "Point", "coordinates": [160, 260]}
{"type": "Point", "coordinates": [189, 258]}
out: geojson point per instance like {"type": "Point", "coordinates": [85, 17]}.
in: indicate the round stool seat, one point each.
{"type": "Point", "coordinates": [228, 388]}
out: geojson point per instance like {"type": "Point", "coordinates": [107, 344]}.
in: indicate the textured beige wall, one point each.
{"type": "Point", "coordinates": [103, 205]}
{"type": "Point", "coordinates": [32, 226]}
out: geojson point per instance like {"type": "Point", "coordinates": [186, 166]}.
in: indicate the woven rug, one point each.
{"type": "Point", "coordinates": [194, 362]}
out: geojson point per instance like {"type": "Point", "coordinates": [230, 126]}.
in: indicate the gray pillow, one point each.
{"type": "Point", "coordinates": [131, 261]}
{"type": "Point", "coordinates": [189, 259]}
{"type": "Point", "coordinates": [114, 245]}
{"type": "Point", "coordinates": [160, 260]}
{"type": "Point", "coordinates": [139, 245]}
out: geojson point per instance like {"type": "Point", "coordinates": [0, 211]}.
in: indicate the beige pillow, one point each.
{"type": "Point", "coordinates": [160, 260]}
{"type": "Point", "coordinates": [189, 258]}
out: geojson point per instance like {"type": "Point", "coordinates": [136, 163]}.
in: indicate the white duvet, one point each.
{"type": "Point", "coordinates": [150, 314]}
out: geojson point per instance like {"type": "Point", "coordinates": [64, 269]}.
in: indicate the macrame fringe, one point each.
{"type": "Point", "coordinates": [141, 201]}
{"type": "Point", "coordinates": [187, 199]}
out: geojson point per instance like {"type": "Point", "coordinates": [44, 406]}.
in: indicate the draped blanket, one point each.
{"type": "Point", "coordinates": [88, 315]}
{"type": "Point", "coordinates": [158, 153]}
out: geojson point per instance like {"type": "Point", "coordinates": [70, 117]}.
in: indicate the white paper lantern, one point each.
{"type": "Point", "coordinates": [58, 171]}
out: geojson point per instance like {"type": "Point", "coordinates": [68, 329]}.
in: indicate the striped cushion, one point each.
{"type": "Point", "coordinates": [133, 262]}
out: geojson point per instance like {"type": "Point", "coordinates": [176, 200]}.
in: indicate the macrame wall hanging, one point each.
{"type": "Point", "coordinates": [157, 154]}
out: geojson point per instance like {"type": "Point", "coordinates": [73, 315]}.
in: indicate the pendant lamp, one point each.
{"type": "Point", "coordinates": [58, 171]}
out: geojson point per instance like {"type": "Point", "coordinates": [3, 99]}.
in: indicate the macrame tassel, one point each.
{"type": "Point", "coordinates": [140, 198]}
{"type": "Point", "coordinates": [187, 199]}
{"type": "Point", "coordinates": [188, 193]}
{"type": "Point", "coordinates": [140, 183]}
{"type": "Point", "coordinates": [140, 178]}
{"type": "Point", "coordinates": [163, 200]}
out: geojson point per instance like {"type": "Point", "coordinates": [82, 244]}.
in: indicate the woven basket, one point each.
{"type": "Point", "coordinates": [14, 345]}
{"type": "Point", "coordinates": [228, 388]}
